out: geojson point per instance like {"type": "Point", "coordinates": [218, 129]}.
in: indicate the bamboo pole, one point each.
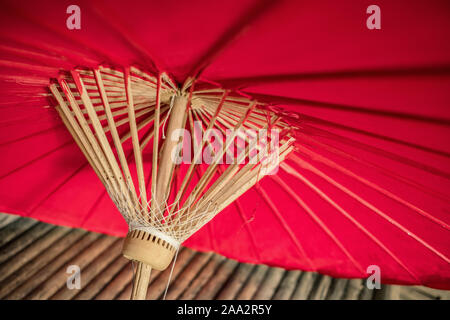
{"type": "Point", "coordinates": [166, 163]}
{"type": "Point", "coordinates": [140, 281]}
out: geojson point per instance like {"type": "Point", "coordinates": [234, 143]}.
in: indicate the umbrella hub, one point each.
{"type": "Point", "coordinates": [147, 248]}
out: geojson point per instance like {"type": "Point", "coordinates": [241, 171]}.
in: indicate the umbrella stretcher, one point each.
{"type": "Point", "coordinates": [160, 219]}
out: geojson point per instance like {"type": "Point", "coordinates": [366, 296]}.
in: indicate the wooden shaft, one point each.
{"type": "Point", "coordinates": [166, 163]}
{"type": "Point", "coordinates": [140, 281]}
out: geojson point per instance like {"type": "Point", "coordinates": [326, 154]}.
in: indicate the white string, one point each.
{"type": "Point", "coordinates": [153, 231]}
{"type": "Point", "coordinates": [167, 116]}
{"type": "Point", "coordinates": [170, 275]}
{"type": "Point", "coordinates": [138, 217]}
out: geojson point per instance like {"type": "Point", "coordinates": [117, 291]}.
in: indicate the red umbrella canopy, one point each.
{"type": "Point", "coordinates": [368, 182]}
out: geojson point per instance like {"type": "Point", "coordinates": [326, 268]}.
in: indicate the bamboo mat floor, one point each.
{"type": "Point", "coordinates": [34, 257]}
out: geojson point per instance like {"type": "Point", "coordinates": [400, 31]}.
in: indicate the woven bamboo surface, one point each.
{"type": "Point", "coordinates": [34, 257]}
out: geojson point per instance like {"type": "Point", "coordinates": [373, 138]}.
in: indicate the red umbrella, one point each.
{"type": "Point", "coordinates": [368, 181]}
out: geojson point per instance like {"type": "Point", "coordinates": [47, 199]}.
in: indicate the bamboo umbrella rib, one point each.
{"type": "Point", "coordinates": [108, 88]}
{"type": "Point", "coordinates": [143, 107]}
{"type": "Point", "coordinates": [235, 191]}
{"type": "Point", "coordinates": [141, 124]}
{"type": "Point", "coordinates": [155, 143]}
{"type": "Point", "coordinates": [363, 229]}
{"type": "Point", "coordinates": [205, 114]}
{"type": "Point", "coordinates": [253, 120]}
{"type": "Point", "coordinates": [202, 117]}
{"type": "Point", "coordinates": [368, 205]}
{"type": "Point", "coordinates": [205, 122]}
{"type": "Point", "coordinates": [96, 125]}
{"type": "Point", "coordinates": [207, 140]}
{"type": "Point", "coordinates": [215, 98]}
{"type": "Point", "coordinates": [341, 139]}
{"type": "Point", "coordinates": [135, 141]}
{"type": "Point", "coordinates": [191, 126]}
{"type": "Point", "coordinates": [153, 80]}
{"type": "Point", "coordinates": [146, 108]}
{"type": "Point", "coordinates": [231, 118]}
{"type": "Point", "coordinates": [209, 91]}
{"type": "Point", "coordinates": [84, 144]}
{"type": "Point", "coordinates": [232, 107]}
{"type": "Point", "coordinates": [89, 135]}
{"type": "Point", "coordinates": [117, 173]}
{"type": "Point", "coordinates": [114, 103]}
{"type": "Point", "coordinates": [373, 166]}
{"type": "Point", "coordinates": [112, 74]}
{"type": "Point", "coordinates": [225, 177]}
{"type": "Point", "coordinates": [108, 83]}
{"type": "Point", "coordinates": [143, 74]}
{"type": "Point", "coordinates": [123, 120]}
{"type": "Point", "coordinates": [302, 204]}
{"type": "Point", "coordinates": [250, 179]}
{"type": "Point", "coordinates": [255, 117]}
{"type": "Point", "coordinates": [147, 139]}
{"type": "Point", "coordinates": [232, 99]}
{"type": "Point", "coordinates": [287, 228]}
{"type": "Point", "coordinates": [188, 175]}
{"type": "Point", "coordinates": [209, 173]}
{"type": "Point", "coordinates": [370, 184]}
{"type": "Point", "coordinates": [225, 122]}
{"type": "Point", "coordinates": [62, 105]}
{"type": "Point", "coordinates": [235, 108]}
{"type": "Point", "coordinates": [91, 88]}
{"type": "Point", "coordinates": [115, 135]}
{"type": "Point", "coordinates": [178, 221]}
{"type": "Point", "coordinates": [239, 177]}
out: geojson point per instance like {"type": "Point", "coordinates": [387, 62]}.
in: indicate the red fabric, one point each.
{"type": "Point", "coordinates": [369, 181]}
